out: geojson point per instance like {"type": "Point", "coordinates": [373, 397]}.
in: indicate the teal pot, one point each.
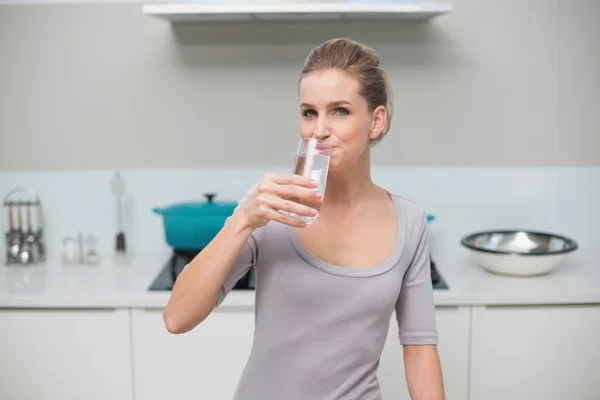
{"type": "Point", "coordinates": [191, 226]}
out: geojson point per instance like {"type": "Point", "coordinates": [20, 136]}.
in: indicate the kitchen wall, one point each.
{"type": "Point", "coordinates": [495, 124]}
{"type": "Point", "coordinates": [495, 82]}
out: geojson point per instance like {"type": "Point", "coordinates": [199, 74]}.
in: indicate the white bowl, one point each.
{"type": "Point", "coordinates": [518, 252]}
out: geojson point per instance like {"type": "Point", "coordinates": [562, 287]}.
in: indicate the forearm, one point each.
{"type": "Point", "coordinates": [196, 289]}
{"type": "Point", "coordinates": [423, 372]}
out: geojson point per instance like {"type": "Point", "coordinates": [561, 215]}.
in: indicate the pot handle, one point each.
{"type": "Point", "coordinates": [210, 196]}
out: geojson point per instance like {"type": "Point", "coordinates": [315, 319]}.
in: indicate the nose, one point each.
{"type": "Point", "coordinates": [322, 130]}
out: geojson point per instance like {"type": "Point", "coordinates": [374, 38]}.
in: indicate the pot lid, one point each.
{"type": "Point", "coordinates": [209, 207]}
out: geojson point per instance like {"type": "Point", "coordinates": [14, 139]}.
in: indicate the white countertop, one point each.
{"type": "Point", "coordinates": [576, 281]}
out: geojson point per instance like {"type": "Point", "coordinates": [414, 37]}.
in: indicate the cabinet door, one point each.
{"type": "Point", "coordinates": [65, 355]}
{"type": "Point", "coordinates": [536, 352]}
{"type": "Point", "coordinates": [453, 330]}
{"type": "Point", "coordinates": [205, 363]}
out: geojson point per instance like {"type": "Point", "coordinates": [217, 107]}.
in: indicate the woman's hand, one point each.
{"type": "Point", "coordinates": [289, 192]}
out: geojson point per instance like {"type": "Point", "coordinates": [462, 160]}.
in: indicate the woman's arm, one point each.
{"type": "Point", "coordinates": [196, 290]}
{"type": "Point", "coordinates": [415, 310]}
{"type": "Point", "coordinates": [423, 372]}
{"type": "Point", "coordinates": [214, 271]}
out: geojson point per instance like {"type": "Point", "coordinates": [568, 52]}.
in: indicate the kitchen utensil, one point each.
{"type": "Point", "coordinates": [192, 225]}
{"type": "Point", "coordinates": [24, 255]}
{"type": "Point", "coordinates": [23, 227]}
{"type": "Point", "coordinates": [34, 237]}
{"type": "Point", "coordinates": [7, 218]}
{"type": "Point", "coordinates": [118, 189]}
{"type": "Point", "coordinates": [13, 231]}
{"type": "Point", "coordinates": [518, 252]}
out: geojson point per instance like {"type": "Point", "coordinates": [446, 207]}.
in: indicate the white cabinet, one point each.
{"type": "Point", "coordinates": [453, 330]}
{"type": "Point", "coordinates": [205, 363]}
{"type": "Point", "coordinates": [487, 353]}
{"type": "Point", "coordinates": [535, 352]}
{"type": "Point", "coordinates": [65, 355]}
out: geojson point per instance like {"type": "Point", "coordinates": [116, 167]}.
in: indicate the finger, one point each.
{"type": "Point", "coordinates": [295, 193]}
{"type": "Point", "coordinates": [289, 191]}
{"type": "Point", "coordinates": [292, 179]}
{"type": "Point", "coordinates": [285, 219]}
{"type": "Point", "coordinates": [314, 203]}
{"type": "Point", "coordinates": [276, 203]}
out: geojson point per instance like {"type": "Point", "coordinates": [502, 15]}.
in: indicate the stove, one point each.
{"type": "Point", "coordinates": [179, 259]}
{"type": "Point", "coordinates": [436, 279]}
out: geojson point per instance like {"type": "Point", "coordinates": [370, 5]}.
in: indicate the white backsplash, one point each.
{"type": "Point", "coordinates": [563, 200]}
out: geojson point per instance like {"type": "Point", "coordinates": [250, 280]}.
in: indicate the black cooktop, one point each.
{"type": "Point", "coordinates": [436, 279]}
{"type": "Point", "coordinates": [179, 259]}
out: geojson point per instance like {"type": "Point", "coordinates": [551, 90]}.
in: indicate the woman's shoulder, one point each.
{"type": "Point", "coordinates": [413, 211]}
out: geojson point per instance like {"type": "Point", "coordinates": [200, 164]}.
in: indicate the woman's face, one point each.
{"type": "Point", "coordinates": [333, 110]}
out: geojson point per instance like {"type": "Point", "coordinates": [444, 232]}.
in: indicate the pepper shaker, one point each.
{"type": "Point", "coordinates": [91, 255]}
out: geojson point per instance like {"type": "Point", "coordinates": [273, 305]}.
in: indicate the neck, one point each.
{"type": "Point", "coordinates": [345, 188]}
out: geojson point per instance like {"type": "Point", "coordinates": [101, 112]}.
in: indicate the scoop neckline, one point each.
{"type": "Point", "coordinates": [361, 272]}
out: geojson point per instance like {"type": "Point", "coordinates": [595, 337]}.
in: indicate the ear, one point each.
{"type": "Point", "coordinates": [379, 119]}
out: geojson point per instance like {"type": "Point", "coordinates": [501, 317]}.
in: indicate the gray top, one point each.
{"type": "Point", "coordinates": [320, 328]}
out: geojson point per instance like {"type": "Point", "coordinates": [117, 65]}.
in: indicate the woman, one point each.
{"type": "Point", "coordinates": [325, 292]}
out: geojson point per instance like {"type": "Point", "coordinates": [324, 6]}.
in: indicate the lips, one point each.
{"type": "Point", "coordinates": [324, 147]}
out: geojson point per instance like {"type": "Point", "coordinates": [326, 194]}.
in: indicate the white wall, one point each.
{"type": "Point", "coordinates": [100, 86]}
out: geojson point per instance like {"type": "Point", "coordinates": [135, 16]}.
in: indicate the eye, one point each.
{"type": "Point", "coordinates": [309, 113]}
{"type": "Point", "coordinates": [342, 111]}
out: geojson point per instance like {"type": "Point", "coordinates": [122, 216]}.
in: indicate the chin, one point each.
{"type": "Point", "coordinates": [335, 162]}
{"type": "Point", "coordinates": [334, 166]}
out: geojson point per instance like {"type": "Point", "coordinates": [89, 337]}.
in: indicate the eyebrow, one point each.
{"type": "Point", "coordinates": [332, 104]}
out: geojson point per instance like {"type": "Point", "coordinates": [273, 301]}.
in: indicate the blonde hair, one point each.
{"type": "Point", "coordinates": [362, 63]}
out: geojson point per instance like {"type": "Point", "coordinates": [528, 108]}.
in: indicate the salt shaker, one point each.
{"type": "Point", "coordinates": [91, 255]}
{"type": "Point", "coordinates": [70, 251]}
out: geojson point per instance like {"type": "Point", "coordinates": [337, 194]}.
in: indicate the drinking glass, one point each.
{"type": "Point", "coordinates": [312, 161]}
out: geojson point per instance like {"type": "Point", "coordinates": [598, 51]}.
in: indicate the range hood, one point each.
{"type": "Point", "coordinates": [225, 11]}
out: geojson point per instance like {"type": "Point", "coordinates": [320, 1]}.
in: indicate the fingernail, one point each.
{"type": "Point", "coordinates": [313, 212]}
{"type": "Point", "coordinates": [314, 183]}
{"type": "Point", "coordinates": [318, 195]}
{"type": "Point", "coordinates": [302, 224]}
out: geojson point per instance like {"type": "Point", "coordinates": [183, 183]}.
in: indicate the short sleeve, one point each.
{"type": "Point", "coordinates": [241, 266]}
{"type": "Point", "coordinates": [415, 308]}
{"type": "Point", "coordinates": [244, 262]}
